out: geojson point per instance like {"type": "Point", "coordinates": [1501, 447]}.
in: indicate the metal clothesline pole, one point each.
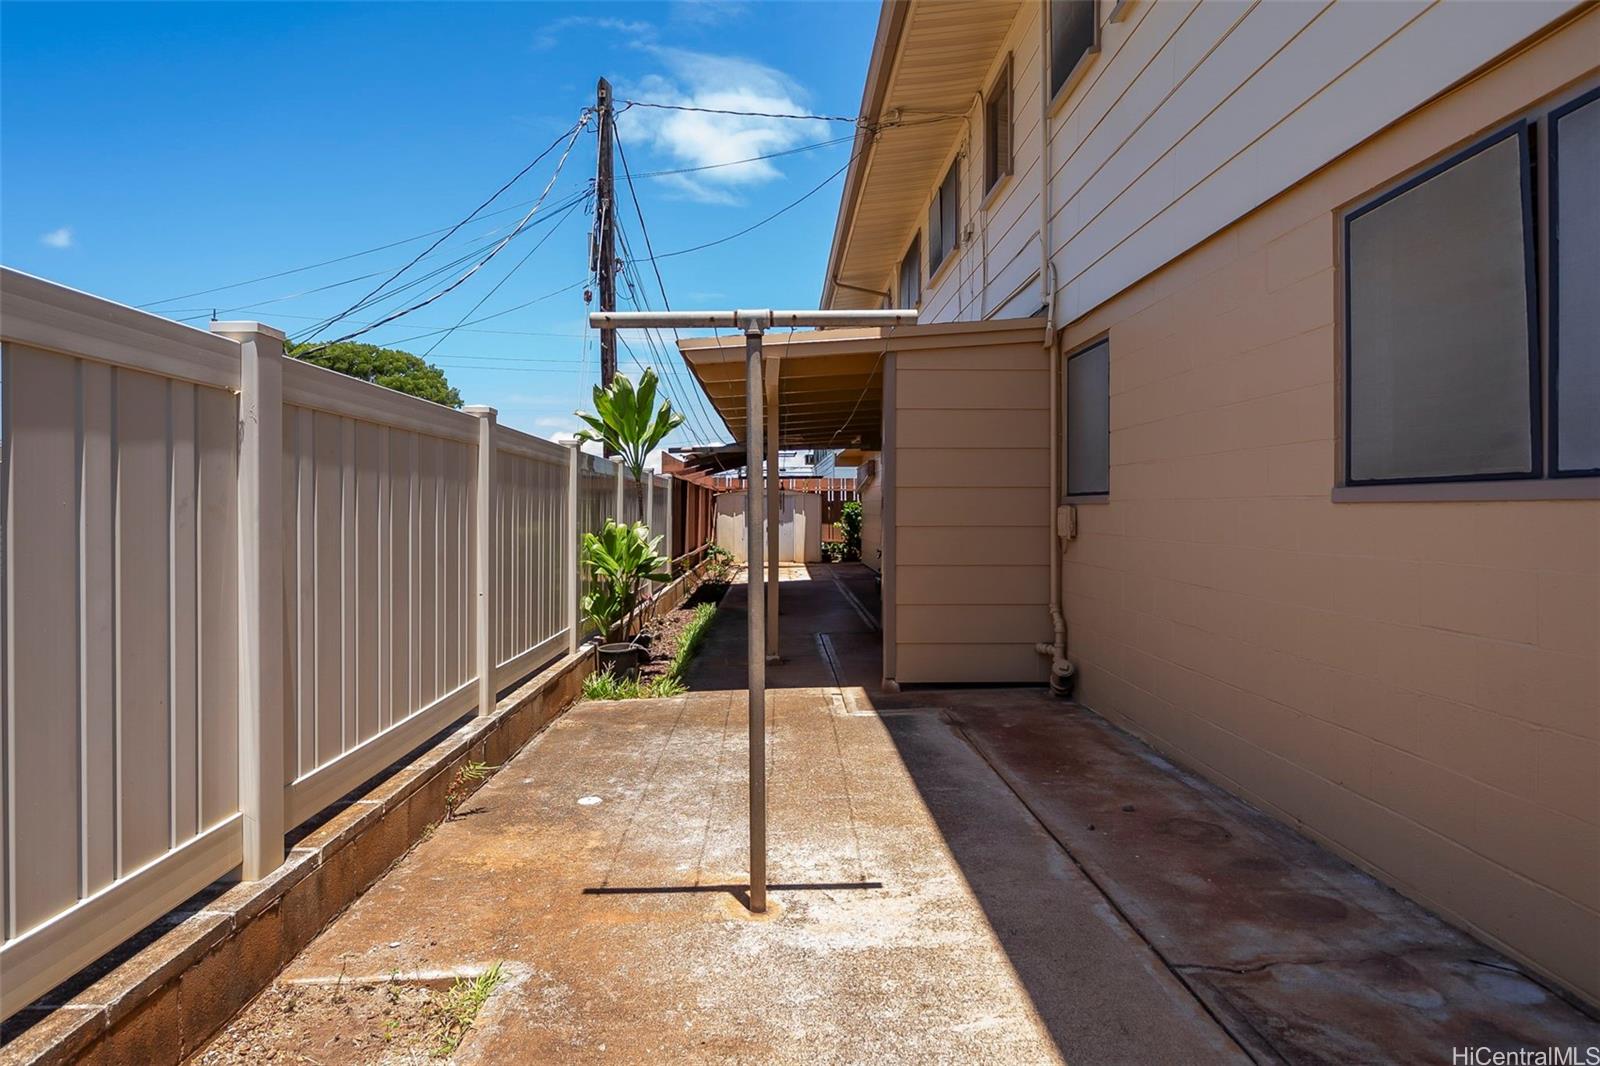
{"type": "Point", "coordinates": [754, 324]}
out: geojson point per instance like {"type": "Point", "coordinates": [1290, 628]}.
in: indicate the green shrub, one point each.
{"type": "Point", "coordinates": [850, 528]}
{"type": "Point", "coordinates": [619, 561]}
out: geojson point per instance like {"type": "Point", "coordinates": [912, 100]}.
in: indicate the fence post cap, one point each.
{"type": "Point", "coordinates": [234, 328]}
{"type": "Point", "coordinates": [479, 410]}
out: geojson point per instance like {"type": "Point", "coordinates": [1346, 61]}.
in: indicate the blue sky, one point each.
{"type": "Point", "coordinates": [153, 150]}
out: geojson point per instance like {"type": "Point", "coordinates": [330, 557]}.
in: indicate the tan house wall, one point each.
{"type": "Point", "coordinates": [969, 469]}
{"type": "Point", "coordinates": [1413, 683]}
{"type": "Point", "coordinates": [872, 517]}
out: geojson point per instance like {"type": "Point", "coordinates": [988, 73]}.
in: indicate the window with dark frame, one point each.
{"type": "Point", "coordinates": [944, 218]}
{"type": "Point", "coordinates": [1441, 333]}
{"type": "Point", "coordinates": [1086, 409]}
{"type": "Point", "coordinates": [997, 127]}
{"type": "Point", "coordinates": [1574, 281]}
{"type": "Point", "coordinates": [1466, 356]}
{"type": "Point", "coordinates": [910, 280]}
{"type": "Point", "coordinates": [1074, 34]}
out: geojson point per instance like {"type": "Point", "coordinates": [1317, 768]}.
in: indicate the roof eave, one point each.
{"type": "Point", "coordinates": [891, 24]}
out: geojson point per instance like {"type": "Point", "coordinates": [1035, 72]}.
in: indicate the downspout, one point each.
{"type": "Point", "coordinates": [1062, 672]}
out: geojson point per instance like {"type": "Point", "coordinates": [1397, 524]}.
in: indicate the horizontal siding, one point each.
{"type": "Point", "coordinates": [1199, 114]}
{"type": "Point", "coordinates": [971, 463]}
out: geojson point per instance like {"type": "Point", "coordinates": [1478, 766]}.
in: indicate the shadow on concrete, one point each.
{"type": "Point", "coordinates": [1295, 953]}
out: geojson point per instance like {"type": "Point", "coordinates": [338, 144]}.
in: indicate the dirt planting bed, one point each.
{"type": "Point", "coordinates": [666, 630]}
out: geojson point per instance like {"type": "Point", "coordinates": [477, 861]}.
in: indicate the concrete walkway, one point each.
{"type": "Point", "coordinates": [959, 876]}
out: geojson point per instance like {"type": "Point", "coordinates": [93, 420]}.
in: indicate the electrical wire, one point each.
{"type": "Point", "coordinates": [852, 119]}
{"type": "Point", "coordinates": [711, 417]}
{"type": "Point", "coordinates": [476, 266]}
{"type": "Point", "coordinates": [757, 225]}
{"type": "Point", "coordinates": [518, 266]}
{"type": "Point", "coordinates": [583, 120]}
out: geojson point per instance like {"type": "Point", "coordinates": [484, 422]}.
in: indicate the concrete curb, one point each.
{"type": "Point", "coordinates": [168, 999]}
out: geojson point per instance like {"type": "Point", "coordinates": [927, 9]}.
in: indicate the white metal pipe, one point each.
{"type": "Point", "coordinates": [747, 319]}
{"type": "Point", "coordinates": [755, 611]}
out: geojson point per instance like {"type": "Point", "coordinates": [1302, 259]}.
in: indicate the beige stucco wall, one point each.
{"type": "Point", "coordinates": [969, 468]}
{"type": "Point", "coordinates": [1414, 683]}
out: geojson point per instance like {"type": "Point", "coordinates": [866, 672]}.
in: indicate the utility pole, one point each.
{"type": "Point", "coordinates": [605, 236]}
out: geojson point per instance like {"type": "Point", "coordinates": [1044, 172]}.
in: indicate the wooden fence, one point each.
{"type": "Point", "coordinates": [234, 587]}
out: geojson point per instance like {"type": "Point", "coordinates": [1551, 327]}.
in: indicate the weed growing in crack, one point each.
{"type": "Point", "coordinates": [458, 1007]}
{"type": "Point", "coordinates": [460, 788]}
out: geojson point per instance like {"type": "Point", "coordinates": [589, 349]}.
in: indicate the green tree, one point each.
{"type": "Point", "coordinates": [630, 423]}
{"type": "Point", "coordinates": [389, 367]}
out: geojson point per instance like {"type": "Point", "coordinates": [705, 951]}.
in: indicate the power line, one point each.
{"type": "Point", "coordinates": [757, 225]}
{"type": "Point", "coordinates": [852, 119]}
{"type": "Point", "coordinates": [627, 174]}
{"type": "Point", "coordinates": [478, 265]}
{"type": "Point", "coordinates": [481, 300]}
{"type": "Point", "coordinates": [583, 119]}
{"type": "Point", "coordinates": [445, 229]}
{"type": "Point", "coordinates": [414, 283]}
{"type": "Point", "coordinates": [750, 159]}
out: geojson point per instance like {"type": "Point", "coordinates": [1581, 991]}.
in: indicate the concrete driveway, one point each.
{"type": "Point", "coordinates": [959, 876]}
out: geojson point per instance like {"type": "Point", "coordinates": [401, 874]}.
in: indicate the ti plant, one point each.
{"type": "Point", "coordinates": [629, 422]}
{"type": "Point", "coordinates": [619, 561]}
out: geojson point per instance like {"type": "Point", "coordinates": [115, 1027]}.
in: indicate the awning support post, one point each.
{"type": "Point", "coordinates": [774, 518]}
{"type": "Point", "coordinates": [756, 622]}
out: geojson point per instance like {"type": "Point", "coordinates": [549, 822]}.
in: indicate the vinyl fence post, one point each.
{"type": "Point", "coordinates": [621, 492]}
{"type": "Point", "coordinates": [574, 538]}
{"type": "Point", "coordinates": [262, 775]}
{"type": "Point", "coordinates": [485, 552]}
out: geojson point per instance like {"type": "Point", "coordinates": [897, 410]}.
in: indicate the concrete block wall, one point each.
{"type": "Point", "coordinates": [1416, 684]}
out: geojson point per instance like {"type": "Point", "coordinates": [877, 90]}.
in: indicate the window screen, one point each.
{"type": "Point", "coordinates": [1087, 406]}
{"type": "Point", "coordinates": [1438, 331]}
{"type": "Point", "coordinates": [944, 216]}
{"type": "Point", "coordinates": [1575, 325]}
{"type": "Point", "coordinates": [997, 126]}
{"type": "Point", "coordinates": [910, 292]}
{"type": "Point", "coordinates": [1072, 36]}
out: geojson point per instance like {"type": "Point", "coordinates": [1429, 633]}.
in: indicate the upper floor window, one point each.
{"type": "Point", "coordinates": [944, 218]}
{"type": "Point", "coordinates": [1074, 35]}
{"type": "Point", "coordinates": [1444, 328]}
{"type": "Point", "coordinates": [909, 291]}
{"type": "Point", "coordinates": [997, 127]}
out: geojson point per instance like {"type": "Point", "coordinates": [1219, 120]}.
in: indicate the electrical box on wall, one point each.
{"type": "Point", "coordinates": [1067, 522]}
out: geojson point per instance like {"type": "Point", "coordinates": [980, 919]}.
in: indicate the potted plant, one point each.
{"type": "Point", "coordinates": [620, 561]}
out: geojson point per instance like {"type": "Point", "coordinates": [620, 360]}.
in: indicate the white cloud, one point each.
{"type": "Point", "coordinates": [58, 238]}
{"type": "Point", "coordinates": [701, 138]}
{"type": "Point", "coordinates": [632, 31]}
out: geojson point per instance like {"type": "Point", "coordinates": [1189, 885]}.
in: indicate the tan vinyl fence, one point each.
{"type": "Point", "coordinates": [235, 586]}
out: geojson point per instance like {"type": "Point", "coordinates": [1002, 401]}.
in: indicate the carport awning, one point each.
{"type": "Point", "coordinates": [830, 381]}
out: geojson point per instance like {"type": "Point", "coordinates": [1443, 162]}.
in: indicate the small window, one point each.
{"type": "Point", "coordinates": [910, 288]}
{"type": "Point", "coordinates": [1441, 366]}
{"type": "Point", "coordinates": [997, 130]}
{"type": "Point", "coordinates": [1074, 35]}
{"type": "Point", "coordinates": [944, 218]}
{"type": "Point", "coordinates": [1087, 409]}
{"type": "Point", "coordinates": [1574, 281]}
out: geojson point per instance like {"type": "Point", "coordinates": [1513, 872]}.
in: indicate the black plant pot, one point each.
{"type": "Point", "coordinates": [621, 659]}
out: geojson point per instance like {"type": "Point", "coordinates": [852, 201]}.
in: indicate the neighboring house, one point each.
{"type": "Point", "coordinates": [1298, 419]}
